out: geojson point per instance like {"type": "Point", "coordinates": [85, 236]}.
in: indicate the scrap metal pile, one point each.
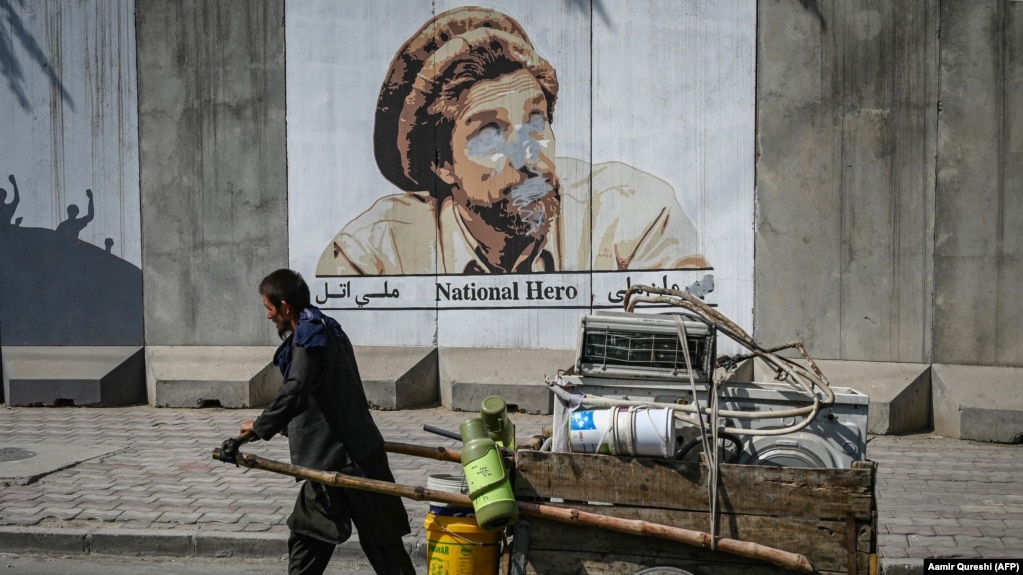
{"type": "Point", "coordinates": [649, 384]}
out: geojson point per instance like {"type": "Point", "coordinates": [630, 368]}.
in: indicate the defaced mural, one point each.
{"type": "Point", "coordinates": [501, 183]}
{"type": "Point", "coordinates": [463, 126]}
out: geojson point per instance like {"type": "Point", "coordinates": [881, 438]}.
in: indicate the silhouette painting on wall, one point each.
{"type": "Point", "coordinates": [78, 293]}
{"type": "Point", "coordinates": [463, 128]}
{"type": "Point", "coordinates": [7, 210]}
{"type": "Point", "coordinates": [74, 225]}
{"type": "Point", "coordinates": [62, 285]}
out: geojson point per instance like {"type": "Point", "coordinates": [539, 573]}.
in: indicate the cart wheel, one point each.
{"type": "Point", "coordinates": [662, 571]}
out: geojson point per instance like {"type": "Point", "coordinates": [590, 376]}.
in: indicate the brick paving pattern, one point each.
{"type": "Point", "coordinates": [937, 497]}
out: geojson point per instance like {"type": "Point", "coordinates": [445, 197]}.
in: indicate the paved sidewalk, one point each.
{"type": "Point", "coordinates": [154, 488]}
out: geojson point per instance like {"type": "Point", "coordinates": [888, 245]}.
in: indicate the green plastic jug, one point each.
{"type": "Point", "coordinates": [489, 487]}
{"type": "Point", "coordinates": [494, 412]}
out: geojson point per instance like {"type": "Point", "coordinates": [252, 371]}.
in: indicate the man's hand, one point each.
{"type": "Point", "coordinates": [229, 449]}
{"type": "Point", "coordinates": [247, 428]}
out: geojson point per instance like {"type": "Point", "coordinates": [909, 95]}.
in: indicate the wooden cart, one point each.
{"type": "Point", "coordinates": [822, 520]}
{"type": "Point", "coordinates": [827, 515]}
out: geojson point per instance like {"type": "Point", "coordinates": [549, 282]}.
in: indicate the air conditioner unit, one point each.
{"type": "Point", "coordinates": [635, 346]}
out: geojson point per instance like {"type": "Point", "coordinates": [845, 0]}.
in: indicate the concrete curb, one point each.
{"type": "Point", "coordinates": [220, 545]}
{"type": "Point", "coordinates": [900, 566]}
{"type": "Point", "coordinates": [172, 543]}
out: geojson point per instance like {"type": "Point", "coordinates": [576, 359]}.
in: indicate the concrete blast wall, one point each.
{"type": "Point", "coordinates": [846, 100]}
{"type": "Point", "coordinates": [889, 174]}
{"type": "Point", "coordinates": [213, 165]}
{"type": "Point", "coordinates": [889, 179]}
{"type": "Point", "coordinates": [978, 246]}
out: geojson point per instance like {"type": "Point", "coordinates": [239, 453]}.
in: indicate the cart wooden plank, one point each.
{"type": "Point", "coordinates": [827, 515]}
{"type": "Point", "coordinates": [618, 561]}
{"type": "Point", "coordinates": [650, 482]}
{"type": "Point", "coordinates": [825, 543]}
{"type": "Point", "coordinates": [626, 558]}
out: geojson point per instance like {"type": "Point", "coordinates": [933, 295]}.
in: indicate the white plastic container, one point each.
{"type": "Point", "coordinates": [448, 483]}
{"type": "Point", "coordinates": [623, 431]}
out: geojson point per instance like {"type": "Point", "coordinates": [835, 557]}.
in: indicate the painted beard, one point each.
{"type": "Point", "coordinates": [525, 211]}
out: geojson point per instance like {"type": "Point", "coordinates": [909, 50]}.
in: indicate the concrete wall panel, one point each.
{"type": "Point", "coordinates": [213, 165]}
{"type": "Point", "coordinates": [674, 96]}
{"type": "Point", "coordinates": [69, 193]}
{"type": "Point", "coordinates": [846, 94]}
{"type": "Point", "coordinates": [795, 177]}
{"type": "Point", "coordinates": [978, 209]}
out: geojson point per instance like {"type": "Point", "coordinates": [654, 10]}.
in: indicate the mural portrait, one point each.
{"type": "Point", "coordinates": [463, 130]}
{"type": "Point", "coordinates": [482, 175]}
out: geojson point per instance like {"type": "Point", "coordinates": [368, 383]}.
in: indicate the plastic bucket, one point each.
{"type": "Point", "coordinates": [458, 546]}
{"type": "Point", "coordinates": [623, 431]}
{"type": "Point", "coordinates": [590, 431]}
{"type": "Point", "coordinates": [652, 432]}
{"type": "Point", "coordinates": [449, 483]}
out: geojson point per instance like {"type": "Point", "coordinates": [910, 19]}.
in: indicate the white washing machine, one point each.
{"type": "Point", "coordinates": [835, 438]}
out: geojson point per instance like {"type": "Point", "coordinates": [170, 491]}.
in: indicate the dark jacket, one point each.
{"type": "Point", "coordinates": [322, 402]}
{"type": "Point", "coordinates": [324, 407]}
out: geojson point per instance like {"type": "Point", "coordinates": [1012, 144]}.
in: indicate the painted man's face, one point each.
{"type": "Point", "coordinates": [503, 156]}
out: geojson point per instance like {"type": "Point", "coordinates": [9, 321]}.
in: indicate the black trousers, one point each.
{"type": "Point", "coordinates": [310, 556]}
{"type": "Point", "coordinates": [380, 520]}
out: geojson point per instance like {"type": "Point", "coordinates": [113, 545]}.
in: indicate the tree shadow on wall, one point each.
{"type": "Point", "coordinates": [10, 68]}
{"type": "Point", "coordinates": [62, 291]}
{"type": "Point", "coordinates": [596, 6]}
{"type": "Point", "coordinates": [814, 7]}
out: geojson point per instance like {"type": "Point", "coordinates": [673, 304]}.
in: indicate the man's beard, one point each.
{"type": "Point", "coordinates": [525, 210]}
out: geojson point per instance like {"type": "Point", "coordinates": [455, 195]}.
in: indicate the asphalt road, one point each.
{"type": "Point", "coordinates": [12, 564]}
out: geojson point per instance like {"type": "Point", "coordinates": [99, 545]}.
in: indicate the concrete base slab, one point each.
{"type": "Point", "coordinates": [22, 462]}
{"type": "Point", "coordinates": [900, 393]}
{"type": "Point", "coordinates": [978, 402]}
{"type": "Point", "coordinates": [4, 383]}
{"type": "Point", "coordinates": [198, 376]}
{"type": "Point", "coordinates": [243, 377]}
{"type": "Point", "coordinates": [468, 376]}
{"type": "Point", "coordinates": [399, 377]}
{"type": "Point", "coordinates": [100, 376]}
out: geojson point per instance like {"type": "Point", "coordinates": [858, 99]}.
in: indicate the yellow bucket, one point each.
{"type": "Point", "coordinates": [458, 546]}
